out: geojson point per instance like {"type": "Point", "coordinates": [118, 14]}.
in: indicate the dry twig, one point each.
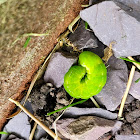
{"type": "Point", "coordinates": [126, 91]}
{"type": "Point", "coordinates": [59, 118]}
{"type": "Point", "coordinates": [136, 64]}
{"type": "Point", "coordinates": [94, 101]}
{"type": "Point", "coordinates": [70, 27]}
{"type": "Point", "coordinates": [49, 131]}
{"type": "Point", "coordinates": [33, 131]}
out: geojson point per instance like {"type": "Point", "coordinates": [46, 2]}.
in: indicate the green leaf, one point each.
{"type": "Point", "coordinates": [86, 25]}
{"type": "Point", "coordinates": [4, 133]}
{"type": "Point", "coordinates": [79, 102]}
{"type": "Point", "coordinates": [126, 59]}
{"type": "Point", "coordinates": [137, 80]}
{"type": "Point", "coordinates": [26, 42]}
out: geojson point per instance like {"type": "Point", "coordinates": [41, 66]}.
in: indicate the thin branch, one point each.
{"type": "Point", "coordinates": [136, 64]}
{"type": "Point", "coordinates": [126, 91]}
{"type": "Point", "coordinates": [33, 131]}
{"type": "Point", "coordinates": [70, 27]}
{"type": "Point", "coordinates": [29, 35]}
{"type": "Point", "coordinates": [49, 131]}
{"type": "Point", "coordinates": [94, 101]}
{"type": "Point", "coordinates": [59, 118]}
{"type": "Point", "coordinates": [65, 107]}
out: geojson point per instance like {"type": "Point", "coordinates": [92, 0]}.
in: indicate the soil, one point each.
{"type": "Point", "coordinates": [46, 98]}
{"type": "Point", "coordinates": [131, 119]}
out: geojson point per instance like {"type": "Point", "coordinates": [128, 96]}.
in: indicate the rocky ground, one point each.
{"type": "Point", "coordinates": [108, 21]}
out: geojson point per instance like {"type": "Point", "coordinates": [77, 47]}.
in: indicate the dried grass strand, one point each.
{"type": "Point", "coordinates": [136, 64]}
{"type": "Point", "coordinates": [33, 131]}
{"type": "Point", "coordinates": [49, 131]}
{"type": "Point", "coordinates": [131, 75]}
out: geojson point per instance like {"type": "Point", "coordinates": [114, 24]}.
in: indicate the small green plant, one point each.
{"type": "Point", "coordinates": [4, 133]}
{"type": "Point", "coordinates": [86, 79]}
{"type": "Point", "coordinates": [26, 42]}
{"type": "Point", "coordinates": [137, 80]}
{"type": "Point", "coordinates": [126, 59]}
{"type": "Point", "coordinates": [65, 107]}
{"type": "Point", "coordinates": [86, 25]}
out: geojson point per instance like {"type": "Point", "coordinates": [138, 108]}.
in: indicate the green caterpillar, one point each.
{"type": "Point", "coordinates": [86, 79]}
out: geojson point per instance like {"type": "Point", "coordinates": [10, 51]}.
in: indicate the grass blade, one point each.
{"type": "Point", "coordinates": [4, 133]}
{"type": "Point", "coordinates": [137, 80]}
{"type": "Point", "coordinates": [79, 102]}
{"type": "Point", "coordinates": [86, 25]}
{"type": "Point", "coordinates": [126, 59]}
{"type": "Point", "coordinates": [27, 42]}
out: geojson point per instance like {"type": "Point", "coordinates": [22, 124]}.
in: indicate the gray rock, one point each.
{"type": "Point", "coordinates": [136, 127]}
{"type": "Point", "coordinates": [57, 68]}
{"type": "Point", "coordinates": [84, 128]}
{"type": "Point", "coordinates": [134, 4]}
{"type": "Point", "coordinates": [135, 87]}
{"type": "Point", "coordinates": [116, 127]}
{"type": "Point", "coordinates": [130, 7]}
{"type": "Point", "coordinates": [127, 137]}
{"type": "Point", "coordinates": [13, 137]}
{"type": "Point", "coordinates": [75, 112]}
{"type": "Point", "coordinates": [110, 23]}
{"type": "Point", "coordinates": [129, 99]}
{"type": "Point", "coordinates": [18, 125]}
{"type": "Point", "coordinates": [39, 133]}
{"type": "Point", "coordinates": [138, 104]}
{"type": "Point", "coordinates": [117, 76]}
{"type": "Point", "coordinates": [83, 38]}
{"type": "Point", "coordinates": [132, 116]}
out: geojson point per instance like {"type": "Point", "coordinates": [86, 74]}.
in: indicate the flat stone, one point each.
{"type": "Point", "coordinates": [134, 4]}
{"type": "Point", "coordinates": [18, 64]}
{"type": "Point", "coordinates": [132, 116]}
{"type": "Point", "coordinates": [135, 87]}
{"type": "Point", "coordinates": [105, 137]}
{"type": "Point", "coordinates": [13, 137]}
{"type": "Point", "coordinates": [130, 7]}
{"type": "Point", "coordinates": [129, 99]}
{"type": "Point", "coordinates": [77, 112]}
{"type": "Point", "coordinates": [57, 68]}
{"type": "Point", "coordinates": [138, 104]}
{"type": "Point", "coordinates": [83, 38]}
{"type": "Point", "coordinates": [127, 137]}
{"type": "Point", "coordinates": [136, 127]}
{"type": "Point", "coordinates": [83, 128]}
{"type": "Point", "coordinates": [39, 133]}
{"type": "Point", "coordinates": [117, 76]}
{"type": "Point", "coordinates": [19, 125]}
{"type": "Point", "coordinates": [116, 127]}
{"type": "Point", "coordinates": [110, 23]}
